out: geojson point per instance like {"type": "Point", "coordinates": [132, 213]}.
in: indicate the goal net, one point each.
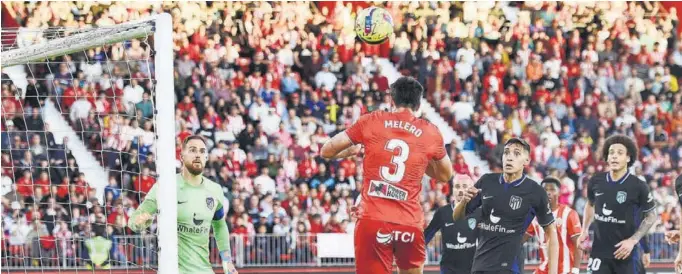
{"type": "Point", "coordinates": [87, 128]}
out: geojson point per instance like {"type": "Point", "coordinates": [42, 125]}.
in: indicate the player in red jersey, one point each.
{"type": "Point", "coordinates": [399, 148]}
{"type": "Point", "coordinates": [567, 228]}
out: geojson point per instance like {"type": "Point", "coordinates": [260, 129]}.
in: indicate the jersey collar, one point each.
{"type": "Point", "coordinates": [184, 183]}
{"type": "Point", "coordinates": [514, 183]}
{"type": "Point", "coordinates": [610, 180]}
{"type": "Point", "coordinates": [405, 112]}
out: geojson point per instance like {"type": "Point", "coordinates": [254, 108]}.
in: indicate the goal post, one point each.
{"type": "Point", "coordinates": [165, 149]}
{"type": "Point", "coordinates": [160, 28]}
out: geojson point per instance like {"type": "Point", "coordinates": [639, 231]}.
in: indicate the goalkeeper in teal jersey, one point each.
{"type": "Point", "coordinates": [200, 206]}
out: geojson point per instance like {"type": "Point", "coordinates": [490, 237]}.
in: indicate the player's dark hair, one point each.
{"type": "Point", "coordinates": [551, 180]}
{"type": "Point", "coordinates": [194, 137]}
{"type": "Point", "coordinates": [627, 142]}
{"type": "Point", "coordinates": [520, 142]}
{"type": "Point", "coordinates": [407, 92]}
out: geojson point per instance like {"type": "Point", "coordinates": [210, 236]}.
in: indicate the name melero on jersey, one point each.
{"type": "Point", "coordinates": [404, 126]}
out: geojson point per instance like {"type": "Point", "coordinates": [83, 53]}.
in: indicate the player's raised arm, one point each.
{"type": "Point", "coordinates": [340, 146]}
{"type": "Point", "coordinates": [440, 167]}
{"type": "Point", "coordinates": [441, 170]}
{"type": "Point", "coordinates": [222, 238]}
{"type": "Point", "coordinates": [142, 216]}
{"type": "Point", "coordinates": [470, 201]}
{"type": "Point", "coordinates": [348, 142]}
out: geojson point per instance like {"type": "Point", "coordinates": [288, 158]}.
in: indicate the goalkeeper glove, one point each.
{"type": "Point", "coordinates": [228, 266]}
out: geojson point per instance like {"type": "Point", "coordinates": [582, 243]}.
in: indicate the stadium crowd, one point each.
{"type": "Point", "coordinates": [268, 83]}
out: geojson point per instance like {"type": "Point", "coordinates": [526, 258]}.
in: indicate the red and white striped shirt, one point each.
{"type": "Point", "coordinates": [567, 226]}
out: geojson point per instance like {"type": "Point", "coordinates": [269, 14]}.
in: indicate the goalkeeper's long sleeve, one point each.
{"type": "Point", "coordinates": [148, 206]}
{"type": "Point", "coordinates": [220, 230]}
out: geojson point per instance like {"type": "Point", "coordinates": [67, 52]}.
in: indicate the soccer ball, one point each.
{"type": "Point", "coordinates": [373, 25]}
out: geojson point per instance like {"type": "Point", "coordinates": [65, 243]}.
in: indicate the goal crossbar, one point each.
{"type": "Point", "coordinates": [78, 42]}
{"type": "Point", "coordinates": [160, 27]}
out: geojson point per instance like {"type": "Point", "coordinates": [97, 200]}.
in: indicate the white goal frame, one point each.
{"type": "Point", "coordinates": [160, 26]}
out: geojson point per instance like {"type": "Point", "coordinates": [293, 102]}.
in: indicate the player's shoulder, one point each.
{"type": "Point", "coordinates": [476, 215]}
{"type": "Point", "coordinates": [431, 127]}
{"type": "Point", "coordinates": [488, 178]}
{"type": "Point", "coordinates": [445, 210]}
{"type": "Point", "coordinates": [599, 177]}
{"type": "Point", "coordinates": [375, 116]}
{"type": "Point", "coordinates": [491, 177]}
{"type": "Point", "coordinates": [635, 183]}
{"type": "Point", "coordinates": [637, 180]}
{"type": "Point", "coordinates": [533, 184]}
{"type": "Point", "coordinates": [374, 119]}
{"type": "Point", "coordinates": [678, 183]}
{"type": "Point", "coordinates": [212, 185]}
{"type": "Point", "coordinates": [567, 209]}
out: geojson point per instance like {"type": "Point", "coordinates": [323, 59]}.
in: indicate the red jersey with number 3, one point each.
{"type": "Point", "coordinates": [398, 149]}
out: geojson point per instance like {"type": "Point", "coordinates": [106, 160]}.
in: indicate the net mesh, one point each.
{"type": "Point", "coordinates": [77, 151]}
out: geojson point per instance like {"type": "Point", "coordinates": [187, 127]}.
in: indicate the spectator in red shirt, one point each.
{"type": "Point", "coordinates": [333, 225]}
{"type": "Point", "coordinates": [119, 210]}
{"type": "Point", "coordinates": [144, 182]}
{"type": "Point", "coordinates": [250, 165]}
{"type": "Point", "coordinates": [71, 94]}
{"type": "Point", "coordinates": [460, 166]}
{"type": "Point", "coordinates": [316, 225]}
{"type": "Point", "coordinates": [43, 182]}
{"type": "Point", "coordinates": [307, 167]}
{"type": "Point", "coordinates": [25, 184]}
{"type": "Point", "coordinates": [185, 105]}
{"type": "Point", "coordinates": [380, 80]}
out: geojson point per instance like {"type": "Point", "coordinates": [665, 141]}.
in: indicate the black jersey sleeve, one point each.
{"type": "Point", "coordinates": [542, 209]}
{"type": "Point", "coordinates": [645, 198]}
{"type": "Point", "coordinates": [476, 201]}
{"type": "Point", "coordinates": [590, 188]}
{"type": "Point", "coordinates": [435, 224]}
{"type": "Point", "coordinates": [678, 188]}
{"type": "Point", "coordinates": [478, 216]}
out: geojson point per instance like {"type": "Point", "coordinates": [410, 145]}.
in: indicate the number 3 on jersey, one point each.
{"type": "Point", "coordinates": [398, 161]}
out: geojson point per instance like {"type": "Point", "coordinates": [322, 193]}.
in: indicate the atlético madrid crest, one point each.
{"type": "Point", "coordinates": [209, 202]}
{"type": "Point", "coordinates": [621, 196]}
{"type": "Point", "coordinates": [515, 202]}
{"type": "Point", "coordinates": [472, 223]}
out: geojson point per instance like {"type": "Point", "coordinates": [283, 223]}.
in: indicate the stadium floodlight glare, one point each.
{"type": "Point", "coordinates": [155, 34]}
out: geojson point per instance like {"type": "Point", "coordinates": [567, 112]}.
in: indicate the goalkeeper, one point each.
{"type": "Point", "coordinates": [200, 205]}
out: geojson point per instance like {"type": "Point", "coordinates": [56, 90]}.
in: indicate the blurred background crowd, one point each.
{"type": "Point", "coordinates": [268, 83]}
